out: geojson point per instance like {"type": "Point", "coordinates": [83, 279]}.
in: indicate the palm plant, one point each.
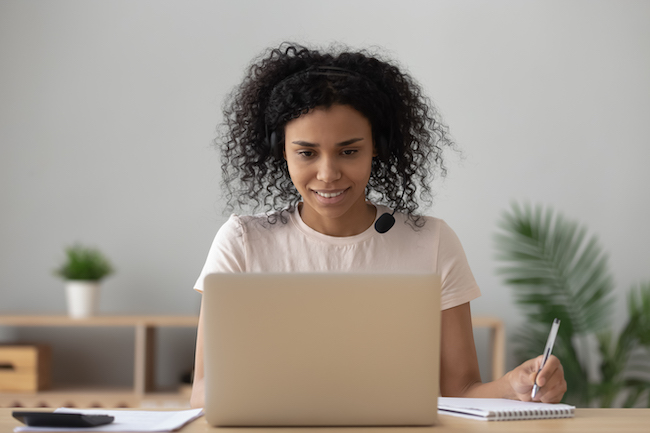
{"type": "Point", "coordinates": [557, 270]}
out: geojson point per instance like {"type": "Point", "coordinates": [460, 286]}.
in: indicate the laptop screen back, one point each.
{"type": "Point", "coordinates": [321, 349]}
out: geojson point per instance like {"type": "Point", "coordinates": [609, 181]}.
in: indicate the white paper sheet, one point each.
{"type": "Point", "coordinates": [127, 420]}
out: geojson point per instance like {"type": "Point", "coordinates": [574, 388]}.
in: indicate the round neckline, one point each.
{"type": "Point", "coordinates": [296, 219]}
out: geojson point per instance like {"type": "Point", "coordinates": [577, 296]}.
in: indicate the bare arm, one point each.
{"type": "Point", "coordinates": [459, 372]}
{"type": "Point", "coordinates": [197, 398]}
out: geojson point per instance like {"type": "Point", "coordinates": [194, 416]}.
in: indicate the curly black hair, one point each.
{"type": "Point", "coordinates": [288, 81]}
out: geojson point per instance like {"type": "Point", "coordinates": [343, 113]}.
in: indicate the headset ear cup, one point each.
{"type": "Point", "coordinates": [273, 144]}
{"type": "Point", "coordinates": [382, 148]}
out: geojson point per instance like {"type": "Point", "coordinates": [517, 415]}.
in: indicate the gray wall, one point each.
{"type": "Point", "coordinates": [108, 109]}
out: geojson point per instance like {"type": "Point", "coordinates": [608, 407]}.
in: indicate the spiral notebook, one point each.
{"type": "Point", "coordinates": [499, 409]}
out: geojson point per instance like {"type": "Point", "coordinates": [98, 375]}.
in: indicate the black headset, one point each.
{"type": "Point", "coordinates": [386, 221]}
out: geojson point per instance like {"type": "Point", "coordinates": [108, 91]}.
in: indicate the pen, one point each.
{"type": "Point", "coordinates": [547, 352]}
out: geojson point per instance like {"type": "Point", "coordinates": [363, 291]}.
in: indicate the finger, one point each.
{"type": "Point", "coordinates": [554, 394]}
{"type": "Point", "coordinates": [554, 385]}
{"type": "Point", "coordinates": [523, 377]}
{"type": "Point", "coordinates": [528, 376]}
{"type": "Point", "coordinates": [532, 377]}
{"type": "Point", "coordinates": [541, 392]}
{"type": "Point", "coordinates": [536, 363]}
{"type": "Point", "coordinates": [555, 397]}
{"type": "Point", "coordinates": [525, 396]}
{"type": "Point", "coordinates": [530, 369]}
{"type": "Point", "coordinates": [550, 369]}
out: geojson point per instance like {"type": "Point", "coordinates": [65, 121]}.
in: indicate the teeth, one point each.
{"type": "Point", "coordinates": [328, 195]}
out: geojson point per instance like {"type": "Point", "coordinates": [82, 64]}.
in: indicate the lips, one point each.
{"type": "Point", "coordinates": [329, 194]}
{"type": "Point", "coordinates": [330, 197]}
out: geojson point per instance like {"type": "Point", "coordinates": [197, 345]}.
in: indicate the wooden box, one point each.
{"type": "Point", "coordinates": [24, 368]}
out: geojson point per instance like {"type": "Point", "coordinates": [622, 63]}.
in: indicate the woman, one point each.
{"type": "Point", "coordinates": [339, 149]}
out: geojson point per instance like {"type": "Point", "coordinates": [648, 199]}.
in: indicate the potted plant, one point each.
{"type": "Point", "coordinates": [556, 270]}
{"type": "Point", "coordinates": [83, 270]}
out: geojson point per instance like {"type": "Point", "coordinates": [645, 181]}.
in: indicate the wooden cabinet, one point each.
{"type": "Point", "coordinates": [142, 394]}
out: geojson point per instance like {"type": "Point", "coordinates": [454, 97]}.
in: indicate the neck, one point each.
{"type": "Point", "coordinates": [342, 226]}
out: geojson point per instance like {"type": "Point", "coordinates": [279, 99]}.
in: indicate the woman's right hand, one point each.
{"type": "Point", "coordinates": [550, 380]}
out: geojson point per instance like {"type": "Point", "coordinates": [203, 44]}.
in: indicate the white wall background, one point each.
{"type": "Point", "coordinates": [108, 109]}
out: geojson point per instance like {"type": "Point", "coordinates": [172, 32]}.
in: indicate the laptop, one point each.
{"type": "Point", "coordinates": [302, 349]}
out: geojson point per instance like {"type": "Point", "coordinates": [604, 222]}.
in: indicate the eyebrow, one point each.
{"type": "Point", "coordinates": [341, 144]}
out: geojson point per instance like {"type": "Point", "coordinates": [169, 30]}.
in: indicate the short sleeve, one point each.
{"type": "Point", "coordinates": [227, 253]}
{"type": "Point", "coordinates": [458, 283]}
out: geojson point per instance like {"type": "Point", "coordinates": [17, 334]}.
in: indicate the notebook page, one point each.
{"type": "Point", "coordinates": [495, 409]}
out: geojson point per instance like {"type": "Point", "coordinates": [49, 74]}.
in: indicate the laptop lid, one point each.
{"type": "Point", "coordinates": [321, 349]}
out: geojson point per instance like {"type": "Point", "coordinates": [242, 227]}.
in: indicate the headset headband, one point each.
{"type": "Point", "coordinates": [271, 137]}
{"type": "Point", "coordinates": [329, 71]}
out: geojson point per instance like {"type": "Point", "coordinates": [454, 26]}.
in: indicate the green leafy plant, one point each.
{"type": "Point", "coordinates": [556, 270]}
{"type": "Point", "coordinates": [84, 263]}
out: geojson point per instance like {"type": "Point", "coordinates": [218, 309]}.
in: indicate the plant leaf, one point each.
{"type": "Point", "coordinates": [556, 271]}
{"type": "Point", "coordinates": [551, 264]}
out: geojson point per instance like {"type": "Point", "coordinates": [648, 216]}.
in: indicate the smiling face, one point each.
{"type": "Point", "coordinates": [329, 156]}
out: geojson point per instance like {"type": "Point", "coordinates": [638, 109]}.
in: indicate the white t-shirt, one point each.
{"type": "Point", "coordinates": [252, 244]}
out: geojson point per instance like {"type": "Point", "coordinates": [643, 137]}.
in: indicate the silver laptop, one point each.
{"type": "Point", "coordinates": [321, 349]}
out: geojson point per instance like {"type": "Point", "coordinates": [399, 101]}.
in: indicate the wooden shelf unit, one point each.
{"type": "Point", "coordinates": [143, 392]}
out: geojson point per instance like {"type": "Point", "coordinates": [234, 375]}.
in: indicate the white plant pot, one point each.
{"type": "Point", "coordinates": [82, 297]}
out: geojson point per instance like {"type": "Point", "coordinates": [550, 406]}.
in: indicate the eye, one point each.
{"type": "Point", "coordinates": [349, 152]}
{"type": "Point", "coordinates": [306, 153]}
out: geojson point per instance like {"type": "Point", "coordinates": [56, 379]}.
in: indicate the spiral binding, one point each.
{"type": "Point", "coordinates": [512, 415]}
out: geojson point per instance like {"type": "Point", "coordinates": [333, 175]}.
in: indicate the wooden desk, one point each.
{"type": "Point", "coordinates": [585, 421]}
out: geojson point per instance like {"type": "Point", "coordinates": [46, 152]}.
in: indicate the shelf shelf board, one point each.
{"type": "Point", "coordinates": [61, 320]}
{"type": "Point", "coordinates": [95, 397]}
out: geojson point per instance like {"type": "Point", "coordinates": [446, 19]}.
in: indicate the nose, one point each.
{"type": "Point", "coordinates": [328, 170]}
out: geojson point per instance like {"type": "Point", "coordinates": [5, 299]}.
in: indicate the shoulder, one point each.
{"type": "Point", "coordinates": [424, 225]}
{"type": "Point", "coordinates": [433, 231]}
{"type": "Point", "coordinates": [240, 237]}
{"type": "Point", "coordinates": [448, 257]}
{"type": "Point", "coordinates": [263, 223]}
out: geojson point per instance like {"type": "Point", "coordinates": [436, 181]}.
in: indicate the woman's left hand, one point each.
{"type": "Point", "coordinates": [550, 380]}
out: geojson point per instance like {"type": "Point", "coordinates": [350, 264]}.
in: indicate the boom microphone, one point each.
{"type": "Point", "coordinates": [385, 222]}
